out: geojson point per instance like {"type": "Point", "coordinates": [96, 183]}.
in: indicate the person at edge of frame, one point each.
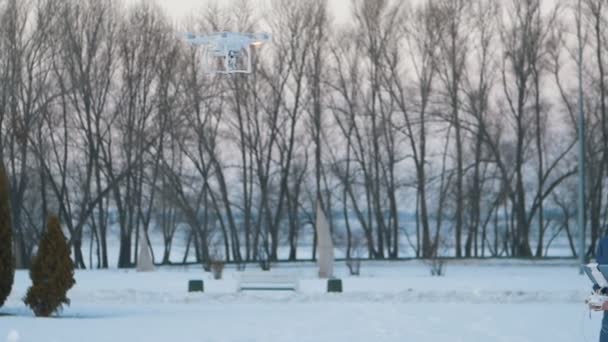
{"type": "Point", "coordinates": [602, 259]}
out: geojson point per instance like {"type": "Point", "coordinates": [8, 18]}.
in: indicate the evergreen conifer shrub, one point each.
{"type": "Point", "coordinates": [7, 262]}
{"type": "Point", "coordinates": [52, 272]}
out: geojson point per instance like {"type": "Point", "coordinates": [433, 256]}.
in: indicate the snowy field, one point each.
{"type": "Point", "coordinates": [475, 301]}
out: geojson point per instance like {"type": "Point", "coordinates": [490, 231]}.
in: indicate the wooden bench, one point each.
{"type": "Point", "coordinates": [267, 282]}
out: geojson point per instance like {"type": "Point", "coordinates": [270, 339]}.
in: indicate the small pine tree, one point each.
{"type": "Point", "coordinates": [7, 263]}
{"type": "Point", "coordinates": [52, 272]}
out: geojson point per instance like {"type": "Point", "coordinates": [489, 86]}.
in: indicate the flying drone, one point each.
{"type": "Point", "coordinates": [227, 52]}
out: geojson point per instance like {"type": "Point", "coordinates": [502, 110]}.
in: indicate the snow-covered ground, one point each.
{"type": "Point", "coordinates": [475, 301]}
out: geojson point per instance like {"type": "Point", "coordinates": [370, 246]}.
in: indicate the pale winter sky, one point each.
{"type": "Point", "coordinates": [179, 9]}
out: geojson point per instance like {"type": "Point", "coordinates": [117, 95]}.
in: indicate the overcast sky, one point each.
{"type": "Point", "coordinates": [178, 9]}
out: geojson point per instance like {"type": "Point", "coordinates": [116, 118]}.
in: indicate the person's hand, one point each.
{"type": "Point", "coordinates": [603, 307]}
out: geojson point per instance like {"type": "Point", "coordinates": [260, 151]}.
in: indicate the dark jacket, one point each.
{"type": "Point", "coordinates": [602, 252]}
{"type": "Point", "coordinates": [602, 258]}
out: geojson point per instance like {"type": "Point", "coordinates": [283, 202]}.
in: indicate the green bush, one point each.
{"type": "Point", "coordinates": [52, 272]}
{"type": "Point", "coordinates": [7, 262]}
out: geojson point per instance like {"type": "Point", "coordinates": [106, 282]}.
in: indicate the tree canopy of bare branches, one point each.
{"type": "Point", "coordinates": [438, 128]}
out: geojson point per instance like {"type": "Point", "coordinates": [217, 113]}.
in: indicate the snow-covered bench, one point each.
{"type": "Point", "coordinates": [267, 282]}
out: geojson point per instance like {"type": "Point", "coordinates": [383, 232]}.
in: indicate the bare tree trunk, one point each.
{"type": "Point", "coordinates": [450, 17]}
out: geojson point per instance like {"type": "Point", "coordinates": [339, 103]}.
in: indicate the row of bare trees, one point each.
{"type": "Point", "coordinates": [437, 127]}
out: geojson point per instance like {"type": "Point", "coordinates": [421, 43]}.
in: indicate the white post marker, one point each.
{"type": "Point", "coordinates": [144, 261]}
{"type": "Point", "coordinates": [325, 245]}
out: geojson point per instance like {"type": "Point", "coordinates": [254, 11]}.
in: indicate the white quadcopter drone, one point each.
{"type": "Point", "coordinates": [227, 52]}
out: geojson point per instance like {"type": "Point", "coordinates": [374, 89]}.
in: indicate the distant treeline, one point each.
{"type": "Point", "coordinates": [460, 111]}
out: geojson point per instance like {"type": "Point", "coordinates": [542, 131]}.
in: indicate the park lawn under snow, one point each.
{"type": "Point", "coordinates": [475, 301]}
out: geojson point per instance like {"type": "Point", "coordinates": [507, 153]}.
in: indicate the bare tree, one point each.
{"type": "Point", "coordinates": [477, 89]}
{"type": "Point", "coordinates": [366, 117]}
{"type": "Point", "coordinates": [594, 12]}
{"type": "Point", "coordinates": [451, 18]}
{"type": "Point", "coordinates": [143, 40]}
{"type": "Point", "coordinates": [26, 100]}
{"type": "Point", "coordinates": [420, 43]}
{"type": "Point", "coordinates": [84, 71]}
{"type": "Point", "coordinates": [524, 37]}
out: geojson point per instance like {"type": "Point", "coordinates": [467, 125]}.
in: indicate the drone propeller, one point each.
{"type": "Point", "coordinates": [194, 39]}
{"type": "Point", "coordinates": [259, 38]}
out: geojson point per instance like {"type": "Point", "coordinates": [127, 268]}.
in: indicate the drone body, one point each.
{"type": "Point", "coordinates": [228, 52]}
